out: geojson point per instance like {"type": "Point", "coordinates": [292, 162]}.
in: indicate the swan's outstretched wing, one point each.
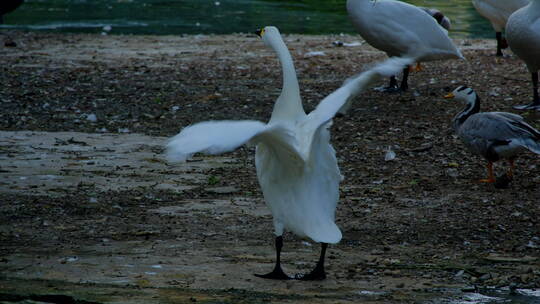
{"type": "Point", "coordinates": [341, 99]}
{"type": "Point", "coordinates": [215, 137]}
{"type": "Point", "coordinates": [212, 137]}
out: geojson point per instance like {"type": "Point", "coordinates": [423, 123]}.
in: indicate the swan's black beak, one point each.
{"type": "Point", "coordinates": [259, 32]}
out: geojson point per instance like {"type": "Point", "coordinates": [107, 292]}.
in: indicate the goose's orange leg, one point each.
{"type": "Point", "coordinates": [510, 172]}
{"type": "Point", "coordinates": [491, 177]}
{"type": "Point", "coordinates": [417, 68]}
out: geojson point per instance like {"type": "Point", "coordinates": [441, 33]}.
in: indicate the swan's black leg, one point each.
{"type": "Point", "coordinates": [536, 98]}
{"type": "Point", "coordinates": [498, 36]}
{"type": "Point", "coordinates": [318, 272]}
{"type": "Point", "coordinates": [393, 85]}
{"type": "Point", "coordinates": [404, 85]}
{"type": "Point", "coordinates": [393, 82]}
{"type": "Point", "coordinates": [535, 105]}
{"type": "Point", "coordinates": [391, 88]}
{"type": "Point", "coordinates": [277, 273]}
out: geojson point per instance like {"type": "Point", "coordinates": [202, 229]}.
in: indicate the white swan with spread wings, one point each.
{"type": "Point", "coordinates": [296, 164]}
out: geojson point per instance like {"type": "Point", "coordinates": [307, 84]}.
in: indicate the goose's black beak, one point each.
{"type": "Point", "coordinates": [259, 32]}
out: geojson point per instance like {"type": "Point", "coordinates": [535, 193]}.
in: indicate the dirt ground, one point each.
{"type": "Point", "coordinates": [90, 212]}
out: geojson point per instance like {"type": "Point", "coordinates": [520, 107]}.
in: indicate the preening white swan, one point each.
{"type": "Point", "coordinates": [523, 35]}
{"type": "Point", "coordinates": [296, 164]}
{"type": "Point", "coordinates": [497, 12]}
{"type": "Point", "coordinates": [493, 135]}
{"type": "Point", "coordinates": [401, 30]}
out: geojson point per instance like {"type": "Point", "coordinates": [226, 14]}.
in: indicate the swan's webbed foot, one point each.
{"type": "Point", "coordinates": [317, 274]}
{"type": "Point", "coordinates": [389, 89]}
{"type": "Point", "coordinates": [276, 274]}
{"type": "Point", "coordinates": [393, 85]}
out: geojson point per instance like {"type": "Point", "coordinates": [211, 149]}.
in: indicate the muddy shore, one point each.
{"type": "Point", "coordinates": [90, 210]}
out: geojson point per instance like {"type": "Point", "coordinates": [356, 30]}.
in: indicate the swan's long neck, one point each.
{"type": "Point", "coordinates": [289, 103]}
{"type": "Point", "coordinates": [472, 107]}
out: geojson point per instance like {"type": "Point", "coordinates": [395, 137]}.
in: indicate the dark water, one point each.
{"type": "Point", "coordinates": [520, 296]}
{"type": "Point", "coordinates": [214, 16]}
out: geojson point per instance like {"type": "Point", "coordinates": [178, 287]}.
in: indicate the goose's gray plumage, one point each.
{"type": "Point", "coordinates": [492, 135]}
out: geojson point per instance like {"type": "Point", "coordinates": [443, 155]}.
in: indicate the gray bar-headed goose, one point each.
{"type": "Point", "coordinates": [493, 135]}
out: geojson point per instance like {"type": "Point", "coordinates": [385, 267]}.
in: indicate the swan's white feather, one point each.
{"type": "Point", "coordinates": [296, 164]}
{"type": "Point", "coordinates": [523, 34]}
{"type": "Point", "coordinates": [498, 11]}
{"type": "Point", "coordinates": [341, 100]}
{"type": "Point", "coordinates": [212, 137]}
{"type": "Point", "coordinates": [302, 195]}
{"type": "Point", "coordinates": [401, 29]}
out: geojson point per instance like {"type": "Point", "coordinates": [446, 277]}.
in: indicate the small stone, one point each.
{"type": "Point", "coordinates": [486, 276]}
{"type": "Point", "coordinates": [91, 117]}
{"type": "Point", "coordinates": [222, 190]}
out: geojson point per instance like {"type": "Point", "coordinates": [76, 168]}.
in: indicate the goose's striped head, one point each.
{"type": "Point", "coordinates": [472, 104]}
{"type": "Point", "coordinates": [463, 93]}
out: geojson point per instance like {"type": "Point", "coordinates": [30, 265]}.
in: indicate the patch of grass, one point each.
{"type": "Point", "coordinates": [213, 180]}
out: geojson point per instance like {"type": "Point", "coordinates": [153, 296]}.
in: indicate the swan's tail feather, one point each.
{"type": "Point", "coordinates": [360, 82]}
